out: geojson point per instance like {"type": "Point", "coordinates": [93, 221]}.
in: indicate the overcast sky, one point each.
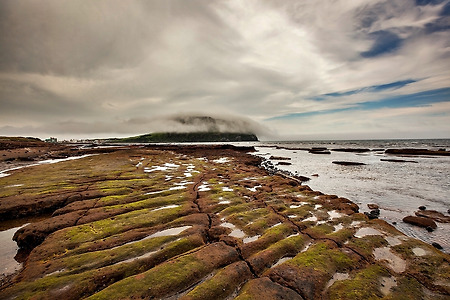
{"type": "Point", "coordinates": [344, 69]}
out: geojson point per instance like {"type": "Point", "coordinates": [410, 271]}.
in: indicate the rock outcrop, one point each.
{"type": "Point", "coordinates": [204, 223]}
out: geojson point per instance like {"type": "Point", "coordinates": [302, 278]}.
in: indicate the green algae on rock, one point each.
{"type": "Point", "coordinates": [203, 222]}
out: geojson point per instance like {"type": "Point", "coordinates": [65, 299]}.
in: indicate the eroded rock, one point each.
{"type": "Point", "coordinates": [420, 221]}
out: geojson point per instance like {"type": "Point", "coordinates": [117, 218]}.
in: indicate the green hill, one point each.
{"type": "Point", "coordinates": [186, 137]}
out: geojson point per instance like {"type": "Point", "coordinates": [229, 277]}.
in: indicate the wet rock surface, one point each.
{"type": "Point", "coordinates": [203, 223]}
{"type": "Point", "coordinates": [348, 163]}
{"type": "Point", "coordinates": [410, 151]}
{"type": "Point", "coordinates": [434, 215]}
{"type": "Point", "coordinates": [398, 160]}
{"type": "Point", "coordinates": [420, 221]}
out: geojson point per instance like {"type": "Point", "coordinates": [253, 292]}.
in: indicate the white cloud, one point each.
{"type": "Point", "coordinates": [102, 61]}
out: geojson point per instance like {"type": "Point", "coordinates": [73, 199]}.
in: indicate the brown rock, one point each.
{"type": "Point", "coordinates": [348, 163]}
{"type": "Point", "coordinates": [279, 158]}
{"type": "Point", "coordinates": [420, 221]}
{"type": "Point", "coordinates": [319, 152]}
{"type": "Point", "coordinates": [372, 206]}
{"type": "Point", "coordinates": [434, 215]}
{"type": "Point", "coordinates": [266, 289]}
{"type": "Point", "coordinates": [307, 282]}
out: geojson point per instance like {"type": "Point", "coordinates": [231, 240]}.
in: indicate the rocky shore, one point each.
{"type": "Point", "coordinates": [199, 222]}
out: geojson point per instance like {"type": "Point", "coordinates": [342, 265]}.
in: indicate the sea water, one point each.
{"type": "Point", "coordinates": [399, 188]}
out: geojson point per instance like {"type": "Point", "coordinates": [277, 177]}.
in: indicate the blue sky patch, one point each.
{"type": "Point", "coordinates": [427, 2]}
{"type": "Point", "coordinates": [421, 99]}
{"type": "Point", "coordinates": [370, 89]}
{"type": "Point", "coordinates": [384, 42]}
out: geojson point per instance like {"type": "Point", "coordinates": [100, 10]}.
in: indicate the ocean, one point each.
{"type": "Point", "coordinates": [399, 188]}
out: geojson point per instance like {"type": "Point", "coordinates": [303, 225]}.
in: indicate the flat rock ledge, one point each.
{"type": "Point", "coordinates": [203, 223]}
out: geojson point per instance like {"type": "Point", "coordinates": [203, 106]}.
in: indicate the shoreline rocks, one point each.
{"type": "Point", "coordinates": [352, 150]}
{"type": "Point", "coordinates": [348, 163]}
{"type": "Point", "coordinates": [420, 221]}
{"type": "Point", "coordinates": [207, 223]}
{"type": "Point", "coordinates": [434, 215]}
{"type": "Point", "coordinates": [412, 151]}
{"type": "Point", "coordinates": [398, 160]}
{"type": "Point", "coordinates": [279, 158]}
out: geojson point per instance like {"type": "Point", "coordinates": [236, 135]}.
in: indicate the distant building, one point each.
{"type": "Point", "coordinates": [51, 140]}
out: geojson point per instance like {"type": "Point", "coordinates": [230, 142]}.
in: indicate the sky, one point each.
{"type": "Point", "coordinates": [299, 69]}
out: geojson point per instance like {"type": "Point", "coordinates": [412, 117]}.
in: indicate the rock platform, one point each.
{"type": "Point", "coordinates": [203, 223]}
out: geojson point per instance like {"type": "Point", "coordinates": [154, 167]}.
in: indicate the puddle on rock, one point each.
{"type": "Point", "coordinates": [312, 219]}
{"type": "Point", "coordinates": [275, 225]}
{"type": "Point", "coordinates": [337, 277]}
{"type": "Point", "coordinates": [334, 214]}
{"type": "Point", "coordinates": [282, 260]}
{"type": "Point", "coordinates": [386, 284]}
{"type": "Point", "coordinates": [8, 249]}
{"type": "Point", "coordinates": [4, 173]}
{"type": "Point", "coordinates": [224, 202]}
{"type": "Point", "coordinates": [166, 207]}
{"type": "Point", "coordinates": [222, 160]}
{"type": "Point", "coordinates": [395, 263]}
{"type": "Point", "coordinates": [367, 231]}
{"type": "Point", "coordinates": [253, 189]}
{"type": "Point", "coordinates": [393, 241]}
{"type": "Point", "coordinates": [338, 227]}
{"type": "Point", "coordinates": [227, 189]}
{"type": "Point", "coordinates": [156, 192]}
{"type": "Point", "coordinates": [306, 247]}
{"type": "Point", "coordinates": [178, 187]}
{"type": "Point", "coordinates": [167, 232]}
{"type": "Point", "coordinates": [165, 167]}
{"type": "Point", "coordinates": [148, 254]}
{"type": "Point", "coordinates": [419, 251]}
{"type": "Point", "coordinates": [236, 232]}
{"type": "Point", "coordinates": [250, 239]}
{"type": "Point", "coordinates": [295, 206]}
{"type": "Point", "coordinates": [204, 187]}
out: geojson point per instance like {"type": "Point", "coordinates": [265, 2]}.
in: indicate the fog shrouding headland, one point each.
{"type": "Point", "coordinates": [202, 123]}
{"type": "Point", "coordinates": [178, 123]}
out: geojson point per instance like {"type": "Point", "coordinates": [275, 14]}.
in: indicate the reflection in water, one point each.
{"type": "Point", "coordinates": [8, 249]}
{"type": "Point", "coordinates": [10, 259]}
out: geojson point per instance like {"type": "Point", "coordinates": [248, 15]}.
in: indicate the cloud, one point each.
{"type": "Point", "coordinates": [129, 127]}
{"type": "Point", "coordinates": [104, 63]}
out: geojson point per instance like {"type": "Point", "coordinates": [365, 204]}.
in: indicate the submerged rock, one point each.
{"type": "Point", "coordinates": [354, 150]}
{"type": "Point", "coordinates": [373, 214]}
{"type": "Point", "coordinates": [398, 160]}
{"type": "Point", "coordinates": [436, 245]}
{"type": "Point", "coordinates": [417, 152]}
{"type": "Point", "coordinates": [279, 158]}
{"type": "Point", "coordinates": [312, 151]}
{"type": "Point", "coordinates": [348, 163]}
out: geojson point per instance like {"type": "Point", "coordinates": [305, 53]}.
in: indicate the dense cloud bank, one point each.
{"type": "Point", "coordinates": [296, 66]}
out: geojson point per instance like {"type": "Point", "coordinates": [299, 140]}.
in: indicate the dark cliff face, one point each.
{"type": "Point", "coordinates": [175, 137]}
